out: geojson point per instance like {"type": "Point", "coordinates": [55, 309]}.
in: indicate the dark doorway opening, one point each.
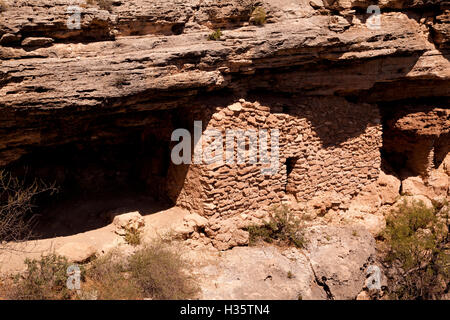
{"type": "Point", "coordinates": [290, 165]}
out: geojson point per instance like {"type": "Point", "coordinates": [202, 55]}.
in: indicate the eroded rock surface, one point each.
{"type": "Point", "coordinates": [94, 107]}
{"type": "Point", "coordinates": [154, 67]}
{"type": "Point", "coordinates": [339, 257]}
{"type": "Point", "coordinates": [332, 266]}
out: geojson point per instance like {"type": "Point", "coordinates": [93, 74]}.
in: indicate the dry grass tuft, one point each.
{"type": "Point", "coordinates": [156, 271]}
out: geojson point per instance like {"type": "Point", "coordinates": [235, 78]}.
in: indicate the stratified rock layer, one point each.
{"type": "Point", "coordinates": [95, 105]}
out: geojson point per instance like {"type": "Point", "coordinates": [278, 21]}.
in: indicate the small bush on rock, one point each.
{"type": "Point", "coordinates": [133, 236]}
{"type": "Point", "coordinates": [282, 227]}
{"type": "Point", "coordinates": [216, 35]}
{"type": "Point", "coordinates": [258, 16]}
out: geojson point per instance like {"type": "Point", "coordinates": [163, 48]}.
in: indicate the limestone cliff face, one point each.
{"type": "Point", "coordinates": [113, 90]}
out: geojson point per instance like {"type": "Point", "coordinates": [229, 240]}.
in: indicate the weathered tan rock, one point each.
{"type": "Point", "coordinates": [332, 266]}
{"type": "Point", "coordinates": [368, 200]}
{"type": "Point", "coordinates": [137, 70]}
{"type": "Point", "coordinates": [36, 42]}
{"type": "Point", "coordinates": [77, 251]}
{"type": "Point", "coordinates": [128, 221]}
{"type": "Point", "coordinates": [388, 188]}
{"type": "Point", "coordinates": [336, 264]}
{"type": "Point", "coordinates": [411, 200]}
{"type": "Point", "coordinates": [316, 4]}
{"type": "Point", "coordinates": [212, 54]}
{"type": "Point", "coordinates": [363, 295]}
{"type": "Point", "coordinates": [441, 29]}
{"type": "Point", "coordinates": [196, 220]}
{"type": "Point", "coordinates": [415, 186]}
{"type": "Point", "coordinates": [440, 183]}
{"type": "Point", "coordinates": [445, 165]}
{"type": "Point", "coordinates": [322, 203]}
{"type": "Point", "coordinates": [245, 273]}
{"type": "Point", "coordinates": [235, 107]}
{"type": "Point", "coordinates": [375, 223]}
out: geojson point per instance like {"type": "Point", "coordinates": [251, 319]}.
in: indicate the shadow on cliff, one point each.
{"type": "Point", "coordinates": [121, 169]}
{"type": "Point", "coordinates": [333, 119]}
{"type": "Point", "coordinates": [339, 98]}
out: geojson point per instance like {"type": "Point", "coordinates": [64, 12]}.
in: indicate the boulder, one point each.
{"type": "Point", "coordinates": [414, 199]}
{"type": "Point", "coordinates": [389, 188]}
{"type": "Point", "coordinates": [363, 295]}
{"type": "Point", "coordinates": [445, 165]}
{"type": "Point", "coordinates": [324, 202]}
{"type": "Point", "coordinates": [374, 223]}
{"type": "Point", "coordinates": [195, 220]}
{"type": "Point", "coordinates": [368, 200]}
{"type": "Point", "coordinates": [316, 4]}
{"type": "Point", "coordinates": [332, 266]}
{"type": "Point", "coordinates": [413, 186]}
{"type": "Point", "coordinates": [128, 221]}
{"type": "Point", "coordinates": [191, 223]}
{"type": "Point", "coordinates": [339, 256]}
{"type": "Point", "coordinates": [439, 181]}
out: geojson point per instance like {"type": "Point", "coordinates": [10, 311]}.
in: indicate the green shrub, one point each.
{"type": "Point", "coordinates": [282, 227]}
{"type": "Point", "coordinates": [216, 35]}
{"type": "Point", "coordinates": [44, 279]}
{"type": "Point", "coordinates": [258, 16]}
{"type": "Point", "coordinates": [418, 242]}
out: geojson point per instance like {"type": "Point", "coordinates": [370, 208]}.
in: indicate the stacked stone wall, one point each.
{"type": "Point", "coordinates": [326, 144]}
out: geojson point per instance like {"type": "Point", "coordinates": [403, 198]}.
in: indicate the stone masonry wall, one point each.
{"type": "Point", "coordinates": [326, 144]}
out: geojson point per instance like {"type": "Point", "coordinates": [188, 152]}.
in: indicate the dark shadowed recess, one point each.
{"type": "Point", "coordinates": [100, 169]}
{"type": "Point", "coordinates": [423, 144]}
